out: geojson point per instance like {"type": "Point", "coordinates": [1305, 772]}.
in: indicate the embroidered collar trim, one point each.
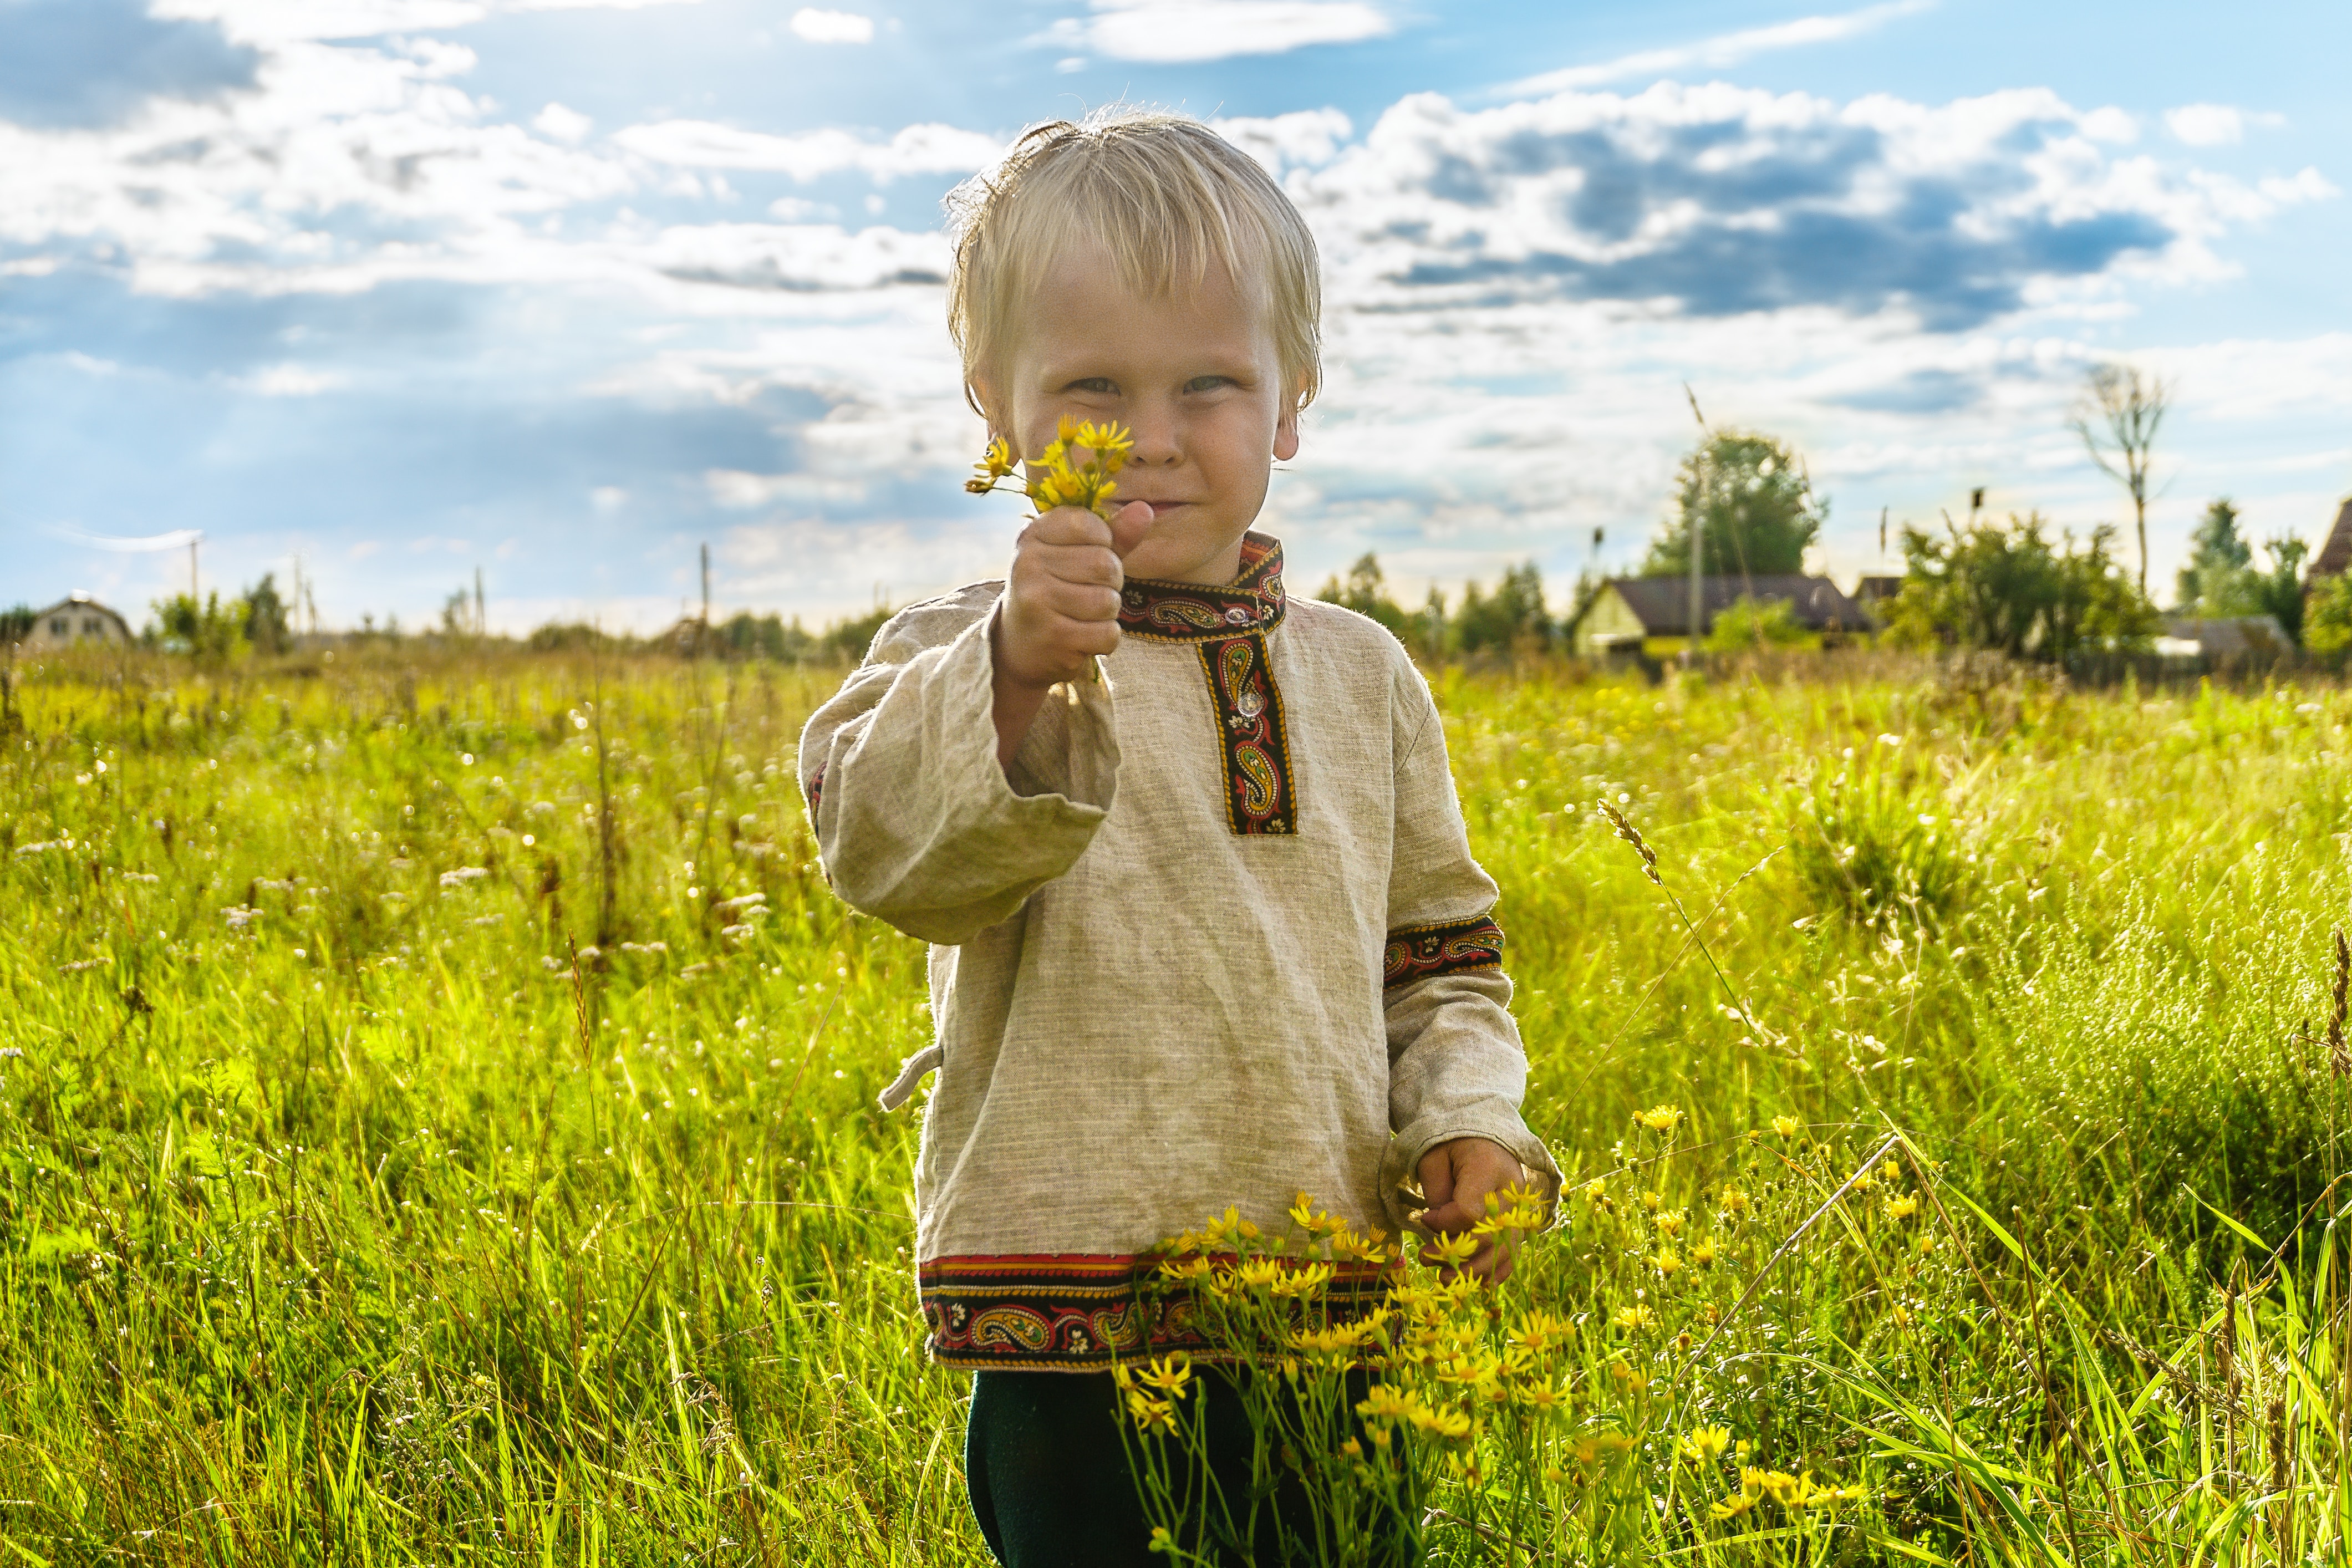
{"type": "Point", "coordinates": [1191, 611]}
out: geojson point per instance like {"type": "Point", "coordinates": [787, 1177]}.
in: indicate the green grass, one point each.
{"type": "Point", "coordinates": [362, 1225]}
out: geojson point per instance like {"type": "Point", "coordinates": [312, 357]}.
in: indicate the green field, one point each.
{"type": "Point", "coordinates": [417, 1143]}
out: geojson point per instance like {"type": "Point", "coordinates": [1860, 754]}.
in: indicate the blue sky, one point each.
{"type": "Point", "coordinates": [561, 289]}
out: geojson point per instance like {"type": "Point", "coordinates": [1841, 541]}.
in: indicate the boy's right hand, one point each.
{"type": "Point", "coordinates": [1061, 598]}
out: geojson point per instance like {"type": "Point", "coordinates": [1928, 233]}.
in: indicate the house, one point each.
{"type": "Point", "coordinates": [2228, 639]}
{"type": "Point", "coordinates": [1631, 611]}
{"type": "Point", "coordinates": [76, 618]}
{"type": "Point", "coordinates": [1871, 592]}
{"type": "Point", "coordinates": [2335, 557]}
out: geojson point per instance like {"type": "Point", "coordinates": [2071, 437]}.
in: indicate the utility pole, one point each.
{"type": "Point", "coordinates": [706, 590]}
{"type": "Point", "coordinates": [481, 617]}
{"type": "Point", "coordinates": [1698, 528]}
{"type": "Point", "coordinates": [193, 599]}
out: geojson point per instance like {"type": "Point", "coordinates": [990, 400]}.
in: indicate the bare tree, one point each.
{"type": "Point", "coordinates": [2117, 420]}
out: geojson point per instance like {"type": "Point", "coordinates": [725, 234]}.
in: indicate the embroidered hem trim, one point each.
{"type": "Point", "coordinates": [1080, 1311]}
{"type": "Point", "coordinates": [1450, 947]}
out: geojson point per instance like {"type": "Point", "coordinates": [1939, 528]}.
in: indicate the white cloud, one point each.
{"type": "Point", "coordinates": [928, 148]}
{"type": "Point", "coordinates": [1168, 32]}
{"type": "Point", "coordinates": [562, 124]}
{"type": "Point", "coordinates": [288, 381]}
{"type": "Point", "coordinates": [1310, 136]}
{"type": "Point", "coordinates": [1722, 51]}
{"type": "Point", "coordinates": [832, 26]}
{"type": "Point", "coordinates": [2214, 124]}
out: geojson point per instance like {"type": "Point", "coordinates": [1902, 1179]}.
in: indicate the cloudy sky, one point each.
{"type": "Point", "coordinates": [562, 289]}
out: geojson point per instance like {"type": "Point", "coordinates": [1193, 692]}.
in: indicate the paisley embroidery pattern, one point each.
{"type": "Point", "coordinates": [1228, 628]}
{"type": "Point", "coordinates": [815, 792]}
{"type": "Point", "coordinates": [1067, 1312]}
{"type": "Point", "coordinates": [1251, 734]}
{"type": "Point", "coordinates": [1453, 947]}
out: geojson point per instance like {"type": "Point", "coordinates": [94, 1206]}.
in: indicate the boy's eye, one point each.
{"type": "Point", "coordinates": [1208, 383]}
{"type": "Point", "coordinates": [1101, 385]}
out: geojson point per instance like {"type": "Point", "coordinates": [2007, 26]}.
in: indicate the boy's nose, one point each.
{"type": "Point", "coordinates": [1157, 441]}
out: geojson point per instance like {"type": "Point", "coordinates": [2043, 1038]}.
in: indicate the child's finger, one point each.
{"type": "Point", "coordinates": [1128, 524]}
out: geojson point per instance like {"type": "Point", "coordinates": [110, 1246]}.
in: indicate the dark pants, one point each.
{"type": "Point", "coordinates": [1051, 1486]}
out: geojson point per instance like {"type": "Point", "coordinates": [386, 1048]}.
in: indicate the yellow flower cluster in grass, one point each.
{"type": "Point", "coordinates": [1055, 480]}
{"type": "Point", "coordinates": [1422, 1368]}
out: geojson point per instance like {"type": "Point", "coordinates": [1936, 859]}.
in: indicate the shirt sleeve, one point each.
{"type": "Point", "coordinates": [915, 822]}
{"type": "Point", "coordinates": [1456, 1067]}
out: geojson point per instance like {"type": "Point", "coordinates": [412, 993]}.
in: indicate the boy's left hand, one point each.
{"type": "Point", "coordinates": [1456, 1177]}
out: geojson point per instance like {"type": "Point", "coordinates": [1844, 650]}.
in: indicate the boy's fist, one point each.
{"type": "Point", "coordinates": [1456, 1178]}
{"type": "Point", "coordinates": [1061, 598]}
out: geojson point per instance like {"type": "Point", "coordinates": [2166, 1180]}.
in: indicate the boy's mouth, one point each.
{"type": "Point", "coordinates": [1161, 509]}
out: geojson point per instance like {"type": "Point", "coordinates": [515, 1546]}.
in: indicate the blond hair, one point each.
{"type": "Point", "coordinates": [1167, 197]}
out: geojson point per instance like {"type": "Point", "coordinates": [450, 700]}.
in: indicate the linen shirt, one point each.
{"type": "Point", "coordinates": [1215, 938]}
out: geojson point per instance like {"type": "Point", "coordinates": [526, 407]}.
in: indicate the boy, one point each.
{"type": "Point", "coordinates": [1206, 929]}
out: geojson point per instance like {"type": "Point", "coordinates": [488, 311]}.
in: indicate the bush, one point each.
{"type": "Point", "coordinates": [2016, 590]}
{"type": "Point", "coordinates": [1750, 624]}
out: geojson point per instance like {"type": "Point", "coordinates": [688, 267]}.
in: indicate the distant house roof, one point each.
{"type": "Point", "coordinates": [1871, 589]}
{"type": "Point", "coordinates": [2231, 637]}
{"type": "Point", "coordinates": [1663, 603]}
{"type": "Point", "coordinates": [2335, 556]}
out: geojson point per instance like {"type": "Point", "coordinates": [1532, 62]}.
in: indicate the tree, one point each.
{"type": "Point", "coordinates": [2215, 581]}
{"type": "Point", "coordinates": [1501, 621]}
{"type": "Point", "coordinates": [2013, 589]}
{"type": "Point", "coordinates": [261, 616]}
{"type": "Point", "coordinates": [2117, 419]}
{"type": "Point", "coordinates": [1365, 591]}
{"type": "Point", "coordinates": [1753, 503]}
{"type": "Point", "coordinates": [2278, 592]}
{"type": "Point", "coordinates": [2327, 617]}
{"type": "Point", "coordinates": [207, 630]}
{"type": "Point", "coordinates": [17, 625]}
{"type": "Point", "coordinates": [1747, 624]}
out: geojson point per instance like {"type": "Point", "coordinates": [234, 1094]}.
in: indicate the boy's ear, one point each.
{"type": "Point", "coordinates": [1285, 436]}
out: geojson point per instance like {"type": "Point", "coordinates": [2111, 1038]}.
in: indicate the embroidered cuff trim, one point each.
{"type": "Point", "coordinates": [1451, 947]}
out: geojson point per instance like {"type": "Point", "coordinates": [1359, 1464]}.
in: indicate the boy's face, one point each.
{"type": "Point", "coordinates": [1194, 374]}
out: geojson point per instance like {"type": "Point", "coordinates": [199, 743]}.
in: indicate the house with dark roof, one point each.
{"type": "Point", "coordinates": [76, 618]}
{"type": "Point", "coordinates": [1631, 611]}
{"type": "Point", "coordinates": [2335, 557]}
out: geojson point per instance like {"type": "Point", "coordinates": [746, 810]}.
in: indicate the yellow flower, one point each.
{"type": "Point", "coordinates": [1539, 1331]}
{"type": "Point", "coordinates": [1169, 1373]}
{"type": "Point", "coordinates": [1734, 1201]}
{"type": "Point", "coordinates": [1706, 1444]}
{"type": "Point", "coordinates": [1303, 1281]}
{"type": "Point", "coordinates": [1634, 1381]}
{"type": "Point", "coordinates": [1353, 1448]}
{"type": "Point", "coordinates": [1599, 1446]}
{"type": "Point", "coordinates": [1652, 1200]}
{"type": "Point", "coordinates": [1186, 1269]}
{"type": "Point", "coordinates": [1453, 1424]}
{"type": "Point", "coordinates": [1149, 1412]}
{"type": "Point", "coordinates": [1779, 1485]}
{"type": "Point", "coordinates": [1634, 1317]}
{"type": "Point", "coordinates": [1259, 1274]}
{"type": "Point", "coordinates": [1594, 1188]}
{"type": "Point", "coordinates": [1926, 1244]}
{"type": "Point", "coordinates": [1704, 1252]}
{"type": "Point", "coordinates": [1786, 1126]}
{"type": "Point", "coordinates": [1451, 1249]}
{"type": "Point", "coordinates": [1732, 1507]}
{"type": "Point", "coordinates": [1830, 1497]}
{"type": "Point", "coordinates": [1660, 1118]}
{"type": "Point", "coordinates": [1671, 1222]}
{"type": "Point", "coordinates": [1666, 1263]}
{"type": "Point", "coordinates": [1161, 1540]}
{"type": "Point", "coordinates": [1902, 1207]}
{"type": "Point", "coordinates": [1541, 1396]}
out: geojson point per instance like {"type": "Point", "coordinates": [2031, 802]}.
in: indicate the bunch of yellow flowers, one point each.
{"type": "Point", "coordinates": [1055, 480]}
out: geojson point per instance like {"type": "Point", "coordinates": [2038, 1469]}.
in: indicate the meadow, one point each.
{"type": "Point", "coordinates": [437, 1123]}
